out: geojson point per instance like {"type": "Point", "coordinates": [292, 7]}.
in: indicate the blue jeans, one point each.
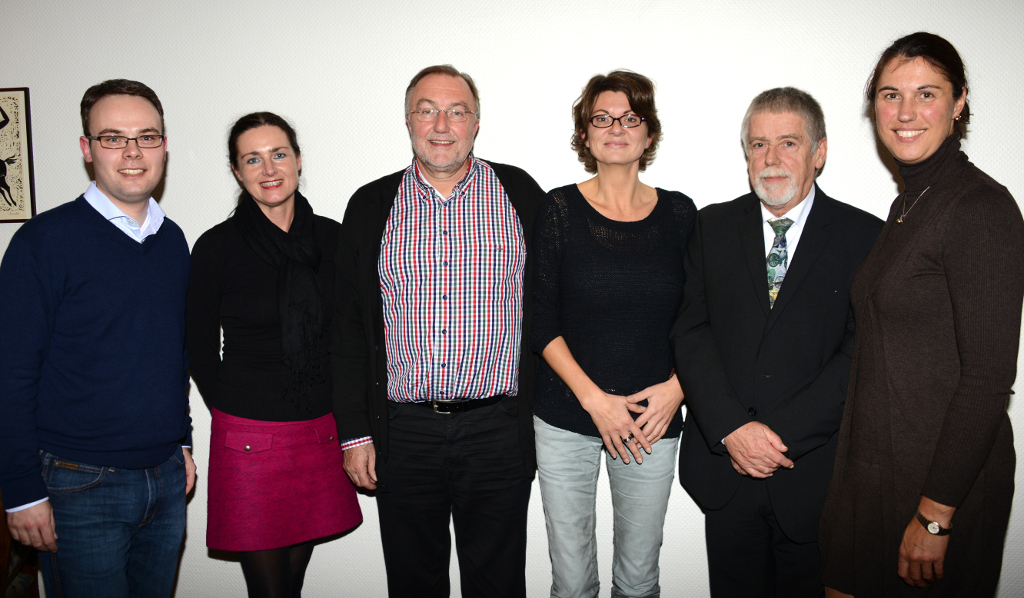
{"type": "Point", "coordinates": [568, 465]}
{"type": "Point", "coordinates": [119, 531]}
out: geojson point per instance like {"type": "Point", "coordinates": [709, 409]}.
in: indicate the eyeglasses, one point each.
{"type": "Point", "coordinates": [455, 115]}
{"type": "Point", "coordinates": [118, 142]}
{"type": "Point", "coordinates": [627, 120]}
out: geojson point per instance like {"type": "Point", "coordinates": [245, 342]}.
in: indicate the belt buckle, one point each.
{"type": "Point", "coordinates": [443, 404]}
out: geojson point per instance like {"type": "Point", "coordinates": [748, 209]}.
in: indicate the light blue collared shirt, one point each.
{"type": "Point", "coordinates": [127, 224]}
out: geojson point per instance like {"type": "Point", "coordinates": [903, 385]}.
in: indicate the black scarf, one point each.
{"type": "Point", "coordinates": [297, 258]}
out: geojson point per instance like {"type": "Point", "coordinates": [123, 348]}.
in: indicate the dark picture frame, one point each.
{"type": "Point", "coordinates": [17, 185]}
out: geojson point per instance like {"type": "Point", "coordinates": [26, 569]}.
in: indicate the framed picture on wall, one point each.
{"type": "Point", "coordinates": [17, 189]}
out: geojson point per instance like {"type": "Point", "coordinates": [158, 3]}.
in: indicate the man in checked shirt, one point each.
{"type": "Point", "coordinates": [433, 376]}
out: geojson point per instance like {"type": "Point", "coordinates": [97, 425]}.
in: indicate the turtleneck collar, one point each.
{"type": "Point", "coordinates": [929, 171]}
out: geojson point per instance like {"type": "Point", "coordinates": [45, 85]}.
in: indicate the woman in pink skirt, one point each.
{"type": "Point", "coordinates": [266, 276]}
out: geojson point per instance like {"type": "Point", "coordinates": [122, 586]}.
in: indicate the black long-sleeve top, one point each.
{"type": "Point", "coordinates": [232, 287]}
{"type": "Point", "coordinates": [611, 289]}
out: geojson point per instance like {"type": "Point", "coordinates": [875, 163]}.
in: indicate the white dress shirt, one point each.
{"type": "Point", "coordinates": [797, 214]}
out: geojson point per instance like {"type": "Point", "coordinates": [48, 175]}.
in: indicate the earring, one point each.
{"type": "Point", "coordinates": [957, 117]}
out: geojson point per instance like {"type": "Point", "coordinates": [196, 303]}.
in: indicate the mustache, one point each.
{"type": "Point", "coordinates": [774, 171]}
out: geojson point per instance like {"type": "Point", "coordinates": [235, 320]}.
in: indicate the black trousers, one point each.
{"type": "Point", "coordinates": [465, 468]}
{"type": "Point", "coordinates": [750, 556]}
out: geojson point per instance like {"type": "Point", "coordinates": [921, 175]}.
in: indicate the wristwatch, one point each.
{"type": "Point", "coordinates": [933, 527]}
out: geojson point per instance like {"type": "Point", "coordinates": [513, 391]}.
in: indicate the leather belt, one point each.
{"type": "Point", "coordinates": [447, 407]}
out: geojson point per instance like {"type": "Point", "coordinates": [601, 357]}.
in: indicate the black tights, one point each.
{"type": "Point", "coordinates": [277, 573]}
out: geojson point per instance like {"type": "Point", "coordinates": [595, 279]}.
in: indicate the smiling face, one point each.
{"type": "Point", "coordinates": [780, 162]}
{"type": "Point", "coordinates": [442, 147]}
{"type": "Point", "coordinates": [267, 166]}
{"type": "Point", "coordinates": [615, 144]}
{"type": "Point", "coordinates": [127, 176]}
{"type": "Point", "coordinates": [914, 109]}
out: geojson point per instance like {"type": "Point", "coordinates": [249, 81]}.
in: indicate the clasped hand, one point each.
{"type": "Point", "coordinates": [663, 401]}
{"type": "Point", "coordinates": [611, 416]}
{"type": "Point", "coordinates": [756, 451]}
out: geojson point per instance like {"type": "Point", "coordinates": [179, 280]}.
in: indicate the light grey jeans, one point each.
{"type": "Point", "coordinates": [568, 465]}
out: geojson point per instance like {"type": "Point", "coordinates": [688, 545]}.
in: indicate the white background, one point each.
{"type": "Point", "coordinates": [338, 71]}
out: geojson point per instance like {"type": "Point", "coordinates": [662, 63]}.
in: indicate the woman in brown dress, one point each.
{"type": "Point", "coordinates": [923, 482]}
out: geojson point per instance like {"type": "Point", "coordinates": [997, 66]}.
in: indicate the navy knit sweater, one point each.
{"type": "Point", "coordinates": [92, 347]}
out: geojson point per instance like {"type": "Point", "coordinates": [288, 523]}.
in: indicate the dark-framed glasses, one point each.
{"type": "Point", "coordinates": [120, 141]}
{"type": "Point", "coordinates": [627, 120]}
{"type": "Point", "coordinates": [455, 115]}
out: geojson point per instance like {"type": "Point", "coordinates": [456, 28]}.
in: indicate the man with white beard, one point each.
{"type": "Point", "coordinates": [762, 345]}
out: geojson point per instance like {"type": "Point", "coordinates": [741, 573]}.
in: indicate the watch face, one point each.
{"type": "Point", "coordinates": [933, 528]}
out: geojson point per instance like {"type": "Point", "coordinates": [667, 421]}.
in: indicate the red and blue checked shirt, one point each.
{"type": "Point", "coordinates": [451, 277]}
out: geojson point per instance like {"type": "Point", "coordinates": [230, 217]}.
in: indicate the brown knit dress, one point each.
{"type": "Point", "coordinates": [938, 308]}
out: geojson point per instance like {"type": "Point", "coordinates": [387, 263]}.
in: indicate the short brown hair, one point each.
{"type": "Point", "coordinates": [443, 69]}
{"type": "Point", "coordinates": [940, 54]}
{"type": "Point", "coordinates": [117, 87]}
{"type": "Point", "coordinates": [639, 91]}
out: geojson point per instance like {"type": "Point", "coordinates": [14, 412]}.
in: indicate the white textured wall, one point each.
{"type": "Point", "coordinates": [338, 71]}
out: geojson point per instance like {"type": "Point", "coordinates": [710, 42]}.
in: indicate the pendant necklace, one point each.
{"type": "Point", "coordinates": [907, 211]}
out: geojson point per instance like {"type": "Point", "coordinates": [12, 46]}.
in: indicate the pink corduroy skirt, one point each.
{"type": "Point", "coordinates": [275, 484]}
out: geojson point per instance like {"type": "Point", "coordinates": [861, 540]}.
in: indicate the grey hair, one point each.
{"type": "Point", "coordinates": [787, 99]}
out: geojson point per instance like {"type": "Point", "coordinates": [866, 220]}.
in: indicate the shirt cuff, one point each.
{"type": "Point", "coordinates": [23, 507]}
{"type": "Point", "coordinates": [354, 442]}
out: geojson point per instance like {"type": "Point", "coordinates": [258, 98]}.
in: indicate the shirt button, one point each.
{"type": "Point", "coordinates": [445, 297]}
{"type": "Point", "coordinates": [444, 232]}
{"type": "Point", "coordinates": [444, 331]}
{"type": "Point", "coordinates": [444, 365]}
{"type": "Point", "coordinates": [445, 262]}
{"type": "Point", "coordinates": [752, 412]}
{"type": "Point", "coordinates": [248, 448]}
{"type": "Point", "coordinates": [444, 203]}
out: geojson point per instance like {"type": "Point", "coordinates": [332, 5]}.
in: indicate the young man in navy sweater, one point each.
{"type": "Point", "coordinates": [93, 374]}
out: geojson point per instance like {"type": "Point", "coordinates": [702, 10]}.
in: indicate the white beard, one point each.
{"type": "Point", "coordinates": [775, 198]}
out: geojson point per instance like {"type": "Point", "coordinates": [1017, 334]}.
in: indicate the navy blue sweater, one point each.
{"type": "Point", "coordinates": [92, 347]}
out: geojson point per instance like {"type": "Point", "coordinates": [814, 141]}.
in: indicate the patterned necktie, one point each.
{"type": "Point", "coordinates": [778, 258]}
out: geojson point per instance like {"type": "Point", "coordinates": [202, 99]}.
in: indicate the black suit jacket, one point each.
{"type": "Point", "coordinates": [739, 360]}
{"type": "Point", "coordinates": [358, 355]}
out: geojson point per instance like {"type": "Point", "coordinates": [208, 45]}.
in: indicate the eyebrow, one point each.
{"type": "Point", "coordinates": [796, 136]}
{"type": "Point", "coordinates": [433, 103]}
{"type": "Point", "coordinates": [926, 86]}
{"type": "Point", "coordinates": [114, 131]}
{"type": "Point", "coordinates": [272, 150]}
